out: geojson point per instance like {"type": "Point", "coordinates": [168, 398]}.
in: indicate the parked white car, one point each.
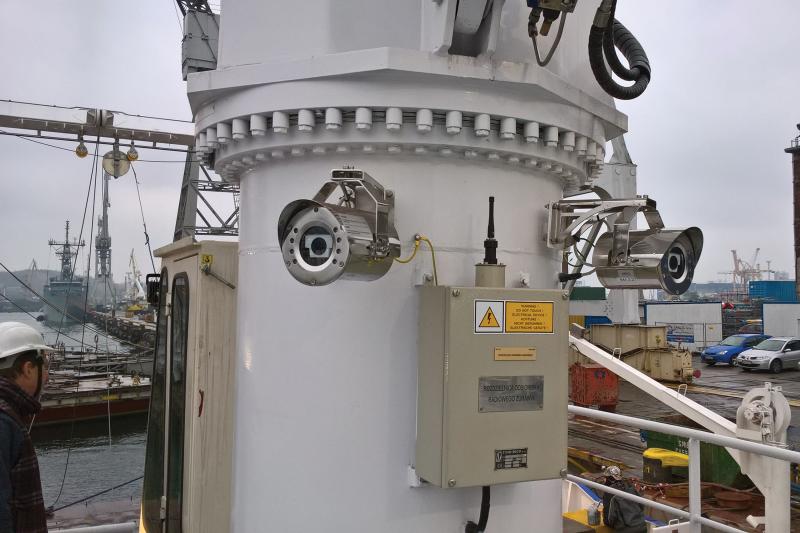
{"type": "Point", "coordinates": [773, 354]}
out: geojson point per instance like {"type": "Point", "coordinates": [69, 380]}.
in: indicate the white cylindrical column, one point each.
{"type": "Point", "coordinates": [326, 392]}
{"type": "Point", "coordinates": [326, 404]}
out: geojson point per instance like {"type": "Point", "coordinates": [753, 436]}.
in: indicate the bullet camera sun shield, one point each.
{"type": "Point", "coordinates": [322, 242]}
{"type": "Point", "coordinates": [656, 258]}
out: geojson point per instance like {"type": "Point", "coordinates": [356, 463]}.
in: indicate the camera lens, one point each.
{"type": "Point", "coordinates": [676, 262]}
{"type": "Point", "coordinates": [316, 245]}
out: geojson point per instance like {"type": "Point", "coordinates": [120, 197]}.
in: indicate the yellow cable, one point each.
{"type": "Point", "coordinates": [433, 257]}
{"type": "Point", "coordinates": [413, 253]}
{"type": "Point", "coordinates": [417, 239]}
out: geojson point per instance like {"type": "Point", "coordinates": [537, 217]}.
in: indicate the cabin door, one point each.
{"type": "Point", "coordinates": [162, 494]}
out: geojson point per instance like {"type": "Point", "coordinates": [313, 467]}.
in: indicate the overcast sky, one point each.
{"type": "Point", "coordinates": [708, 134]}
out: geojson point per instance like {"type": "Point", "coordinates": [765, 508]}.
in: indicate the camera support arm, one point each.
{"type": "Point", "coordinates": [566, 217]}
{"type": "Point", "coordinates": [357, 186]}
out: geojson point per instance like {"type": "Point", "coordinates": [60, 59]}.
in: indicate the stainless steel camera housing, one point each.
{"type": "Point", "coordinates": [653, 258]}
{"type": "Point", "coordinates": [352, 239]}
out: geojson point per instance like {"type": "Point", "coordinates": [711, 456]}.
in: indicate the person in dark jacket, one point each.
{"type": "Point", "coordinates": [23, 374]}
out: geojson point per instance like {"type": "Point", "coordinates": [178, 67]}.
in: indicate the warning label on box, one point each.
{"type": "Point", "coordinates": [529, 317]}
{"type": "Point", "coordinates": [489, 316]}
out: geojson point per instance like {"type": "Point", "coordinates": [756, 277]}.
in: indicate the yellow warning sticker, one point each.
{"type": "Point", "coordinates": [489, 316]}
{"type": "Point", "coordinates": [206, 259]}
{"type": "Point", "coordinates": [489, 320]}
{"type": "Point", "coordinates": [528, 317]}
{"type": "Point", "coordinates": [514, 353]}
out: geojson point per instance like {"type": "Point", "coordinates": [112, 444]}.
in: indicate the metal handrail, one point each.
{"type": "Point", "coordinates": [654, 504]}
{"type": "Point", "coordinates": [695, 437]}
{"type": "Point", "coordinates": [759, 448]}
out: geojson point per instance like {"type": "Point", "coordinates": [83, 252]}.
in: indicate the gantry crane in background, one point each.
{"type": "Point", "coordinates": [199, 52]}
{"type": "Point", "coordinates": [134, 291]}
{"type": "Point", "coordinates": [744, 272]}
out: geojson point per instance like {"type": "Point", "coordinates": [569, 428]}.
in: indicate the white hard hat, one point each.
{"type": "Point", "coordinates": [17, 338]}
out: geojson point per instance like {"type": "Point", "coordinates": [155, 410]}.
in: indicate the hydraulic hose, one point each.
{"type": "Point", "coordinates": [606, 36]}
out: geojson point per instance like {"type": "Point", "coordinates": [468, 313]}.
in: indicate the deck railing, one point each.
{"type": "Point", "coordinates": [695, 437]}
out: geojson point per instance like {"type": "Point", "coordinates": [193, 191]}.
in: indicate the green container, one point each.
{"type": "Point", "coordinates": [716, 464]}
{"type": "Point", "coordinates": [588, 293]}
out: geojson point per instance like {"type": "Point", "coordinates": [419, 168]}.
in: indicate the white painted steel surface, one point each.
{"type": "Point", "coordinates": [327, 377]}
{"type": "Point", "coordinates": [327, 388]}
{"type": "Point", "coordinates": [702, 321]}
{"type": "Point", "coordinates": [781, 320]}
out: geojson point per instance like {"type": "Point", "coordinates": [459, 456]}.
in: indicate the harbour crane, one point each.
{"type": "Point", "coordinates": [134, 289]}
{"type": "Point", "coordinates": [33, 268]}
{"type": "Point", "coordinates": [744, 272]}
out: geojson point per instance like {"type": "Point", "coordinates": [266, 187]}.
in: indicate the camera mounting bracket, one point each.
{"type": "Point", "coordinates": [359, 188]}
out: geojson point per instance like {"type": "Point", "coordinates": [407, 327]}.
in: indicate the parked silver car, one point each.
{"type": "Point", "coordinates": [773, 354]}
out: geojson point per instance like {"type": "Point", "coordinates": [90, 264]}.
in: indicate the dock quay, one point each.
{"type": "Point", "coordinates": [593, 445]}
{"type": "Point", "coordinates": [73, 396]}
{"type": "Point", "coordinates": [134, 362]}
{"type": "Point", "coordinates": [138, 332]}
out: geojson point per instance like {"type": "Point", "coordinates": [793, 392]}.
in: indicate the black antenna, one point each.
{"type": "Point", "coordinates": [490, 244]}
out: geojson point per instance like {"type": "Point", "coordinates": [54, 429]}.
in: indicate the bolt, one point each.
{"type": "Point", "coordinates": [563, 472]}
{"type": "Point", "coordinates": [451, 483]}
{"type": "Point", "coordinates": [389, 194]}
{"type": "Point", "coordinates": [565, 295]}
{"type": "Point", "coordinates": [456, 292]}
{"type": "Point", "coordinates": [428, 277]}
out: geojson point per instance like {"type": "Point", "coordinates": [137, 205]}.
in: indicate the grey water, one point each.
{"type": "Point", "coordinates": [93, 460]}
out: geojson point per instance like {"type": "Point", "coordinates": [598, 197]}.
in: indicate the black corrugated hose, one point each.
{"type": "Point", "coordinates": [606, 36]}
{"type": "Point", "coordinates": [480, 527]}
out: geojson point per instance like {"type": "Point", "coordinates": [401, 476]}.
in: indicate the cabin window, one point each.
{"type": "Point", "coordinates": [177, 400]}
{"type": "Point", "coordinates": [153, 487]}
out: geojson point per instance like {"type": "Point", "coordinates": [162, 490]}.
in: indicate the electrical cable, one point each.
{"type": "Point", "coordinates": [178, 17]}
{"type": "Point", "coordinates": [60, 309]}
{"type": "Point", "coordinates": [483, 520]}
{"type": "Point", "coordinates": [144, 224]}
{"type": "Point", "coordinates": [417, 239]}
{"type": "Point", "coordinates": [433, 257]}
{"type": "Point", "coordinates": [87, 498]}
{"type": "Point", "coordinates": [92, 179]}
{"type": "Point", "coordinates": [413, 253]}
{"type": "Point", "coordinates": [22, 310]}
{"type": "Point", "coordinates": [533, 34]}
{"type": "Point", "coordinates": [606, 34]}
{"type": "Point", "coordinates": [83, 333]}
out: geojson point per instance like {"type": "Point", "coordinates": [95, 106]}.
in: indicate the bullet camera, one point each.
{"type": "Point", "coordinates": [353, 238]}
{"type": "Point", "coordinates": [653, 258]}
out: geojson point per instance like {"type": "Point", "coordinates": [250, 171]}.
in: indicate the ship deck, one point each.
{"type": "Point", "coordinates": [719, 388]}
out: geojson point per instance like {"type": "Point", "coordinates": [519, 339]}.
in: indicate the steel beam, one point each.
{"type": "Point", "coordinates": [91, 122]}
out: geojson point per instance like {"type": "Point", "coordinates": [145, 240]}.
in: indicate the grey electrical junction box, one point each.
{"type": "Point", "coordinates": [492, 404]}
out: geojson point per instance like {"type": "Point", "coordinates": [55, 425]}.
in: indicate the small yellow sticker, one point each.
{"type": "Point", "coordinates": [529, 317]}
{"type": "Point", "coordinates": [514, 353]}
{"type": "Point", "coordinates": [206, 259]}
